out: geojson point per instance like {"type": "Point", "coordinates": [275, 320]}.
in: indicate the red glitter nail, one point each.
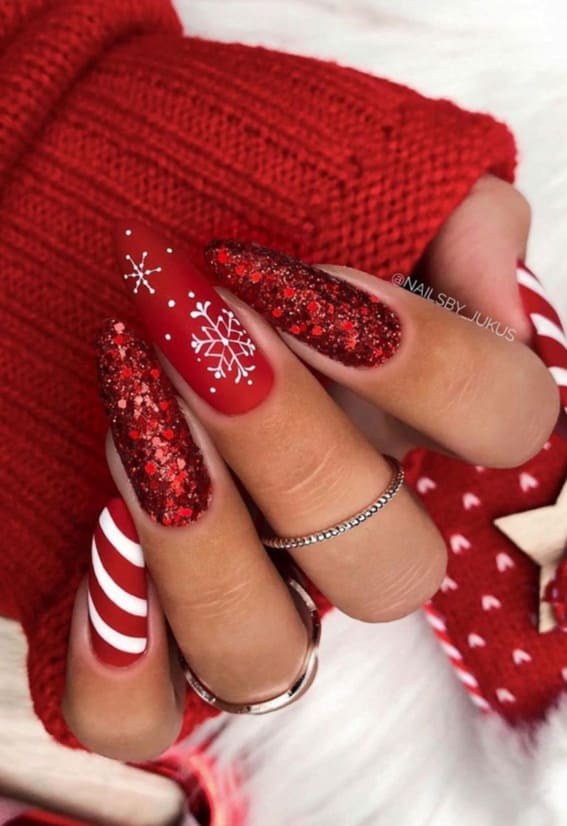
{"type": "Point", "coordinates": [186, 318]}
{"type": "Point", "coordinates": [333, 316]}
{"type": "Point", "coordinates": [164, 465]}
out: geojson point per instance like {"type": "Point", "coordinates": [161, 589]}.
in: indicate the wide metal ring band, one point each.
{"type": "Point", "coordinates": [288, 543]}
{"type": "Point", "coordinates": [310, 616]}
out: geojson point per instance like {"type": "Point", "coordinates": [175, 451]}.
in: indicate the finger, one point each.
{"type": "Point", "coordinates": [232, 615]}
{"type": "Point", "coordinates": [298, 456]}
{"type": "Point", "coordinates": [122, 698]}
{"type": "Point", "coordinates": [473, 259]}
{"type": "Point", "coordinates": [488, 400]}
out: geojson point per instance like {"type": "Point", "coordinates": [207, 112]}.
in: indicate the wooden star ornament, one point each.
{"type": "Point", "coordinates": [541, 533]}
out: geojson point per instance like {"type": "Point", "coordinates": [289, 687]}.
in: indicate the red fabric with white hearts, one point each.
{"type": "Point", "coordinates": [485, 614]}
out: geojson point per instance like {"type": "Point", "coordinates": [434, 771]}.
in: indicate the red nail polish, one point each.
{"type": "Point", "coordinates": [117, 589]}
{"type": "Point", "coordinates": [186, 318]}
{"type": "Point", "coordinates": [332, 316]}
{"type": "Point", "coordinates": [164, 465]}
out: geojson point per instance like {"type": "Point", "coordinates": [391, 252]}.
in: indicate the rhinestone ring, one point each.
{"type": "Point", "coordinates": [288, 543]}
{"type": "Point", "coordinates": [310, 616]}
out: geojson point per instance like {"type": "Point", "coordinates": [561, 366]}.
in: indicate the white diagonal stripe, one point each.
{"type": "Point", "coordinates": [467, 678]}
{"type": "Point", "coordinates": [545, 327]}
{"type": "Point", "coordinates": [131, 551]}
{"type": "Point", "coordinates": [560, 375]}
{"type": "Point", "coordinates": [530, 281]}
{"type": "Point", "coordinates": [451, 650]}
{"type": "Point", "coordinates": [480, 702]}
{"type": "Point", "coordinates": [128, 602]}
{"type": "Point", "coordinates": [436, 622]}
{"type": "Point", "coordinates": [130, 645]}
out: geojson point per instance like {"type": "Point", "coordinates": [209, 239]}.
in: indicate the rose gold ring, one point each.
{"type": "Point", "coordinates": [311, 618]}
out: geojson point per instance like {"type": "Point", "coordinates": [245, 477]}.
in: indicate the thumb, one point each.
{"type": "Point", "coordinates": [474, 257]}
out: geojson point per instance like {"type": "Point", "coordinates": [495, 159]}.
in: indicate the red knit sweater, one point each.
{"type": "Point", "coordinates": [106, 110]}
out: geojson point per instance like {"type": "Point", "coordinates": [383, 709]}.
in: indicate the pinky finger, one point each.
{"type": "Point", "coordinates": [123, 692]}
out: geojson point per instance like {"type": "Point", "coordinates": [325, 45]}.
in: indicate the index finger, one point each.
{"type": "Point", "coordinates": [487, 399]}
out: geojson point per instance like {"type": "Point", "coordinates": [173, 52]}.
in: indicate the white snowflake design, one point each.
{"type": "Point", "coordinates": [141, 273]}
{"type": "Point", "coordinates": [225, 341]}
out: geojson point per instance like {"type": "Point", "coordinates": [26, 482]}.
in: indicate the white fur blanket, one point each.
{"type": "Point", "coordinates": [387, 737]}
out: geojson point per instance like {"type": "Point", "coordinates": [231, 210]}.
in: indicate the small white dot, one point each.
{"type": "Point", "coordinates": [217, 375]}
{"type": "Point", "coordinates": [213, 389]}
{"type": "Point", "coordinates": [169, 250]}
{"type": "Point", "coordinates": [199, 360]}
{"type": "Point", "coordinates": [171, 303]}
{"type": "Point", "coordinates": [249, 381]}
{"type": "Point", "coordinates": [126, 257]}
{"type": "Point", "coordinates": [128, 232]}
{"type": "Point", "coordinates": [167, 336]}
{"type": "Point", "coordinates": [191, 294]}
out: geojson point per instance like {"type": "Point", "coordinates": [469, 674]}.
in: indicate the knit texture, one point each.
{"type": "Point", "coordinates": [489, 600]}
{"type": "Point", "coordinates": [107, 111]}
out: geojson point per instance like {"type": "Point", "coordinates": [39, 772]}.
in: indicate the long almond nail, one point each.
{"type": "Point", "coordinates": [164, 464]}
{"type": "Point", "coordinates": [186, 318]}
{"type": "Point", "coordinates": [333, 316]}
{"type": "Point", "coordinates": [118, 589]}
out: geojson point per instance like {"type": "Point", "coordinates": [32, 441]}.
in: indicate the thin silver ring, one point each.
{"type": "Point", "coordinates": [288, 543]}
{"type": "Point", "coordinates": [310, 616]}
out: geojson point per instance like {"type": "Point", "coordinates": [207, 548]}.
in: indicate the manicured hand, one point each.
{"type": "Point", "coordinates": [247, 408]}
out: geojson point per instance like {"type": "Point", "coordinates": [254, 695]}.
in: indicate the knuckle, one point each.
{"type": "Point", "coordinates": [462, 387]}
{"type": "Point", "coordinates": [537, 423]}
{"type": "Point", "coordinates": [407, 588]}
{"type": "Point", "coordinates": [229, 595]}
{"type": "Point", "coordinates": [417, 587]}
{"type": "Point", "coordinates": [307, 484]}
{"type": "Point", "coordinates": [507, 197]}
{"type": "Point", "coordinates": [522, 208]}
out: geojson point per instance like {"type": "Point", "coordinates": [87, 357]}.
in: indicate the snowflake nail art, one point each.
{"type": "Point", "coordinates": [197, 331]}
{"type": "Point", "coordinates": [225, 342]}
{"type": "Point", "coordinates": [140, 273]}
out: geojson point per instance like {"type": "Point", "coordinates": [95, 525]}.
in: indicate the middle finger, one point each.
{"type": "Point", "coordinates": [302, 461]}
{"type": "Point", "coordinates": [479, 395]}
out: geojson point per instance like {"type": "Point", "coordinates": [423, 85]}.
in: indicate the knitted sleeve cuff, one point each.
{"type": "Point", "coordinates": [109, 111]}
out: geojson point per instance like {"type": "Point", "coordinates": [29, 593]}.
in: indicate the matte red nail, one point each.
{"type": "Point", "coordinates": [186, 318]}
{"type": "Point", "coordinates": [118, 589]}
{"type": "Point", "coordinates": [333, 316]}
{"type": "Point", "coordinates": [163, 462]}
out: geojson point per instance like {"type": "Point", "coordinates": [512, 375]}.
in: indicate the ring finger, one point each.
{"type": "Point", "coordinates": [231, 613]}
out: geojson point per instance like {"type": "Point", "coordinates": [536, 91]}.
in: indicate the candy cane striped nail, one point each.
{"type": "Point", "coordinates": [117, 589]}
